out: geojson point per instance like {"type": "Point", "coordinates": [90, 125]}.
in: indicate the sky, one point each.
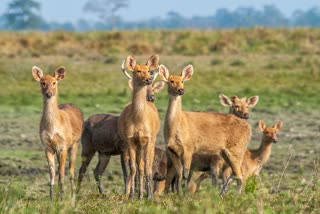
{"type": "Point", "coordinates": [72, 10]}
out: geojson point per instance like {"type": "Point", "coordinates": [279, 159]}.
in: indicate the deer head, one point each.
{"type": "Point", "coordinates": [270, 133]}
{"type": "Point", "coordinates": [143, 74]}
{"type": "Point", "coordinates": [175, 83]}
{"type": "Point", "coordinates": [48, 83]}
{"type": "Point", "coordinates": [239, 106]}
{"type": "Point", "coordinates": [151, 90]}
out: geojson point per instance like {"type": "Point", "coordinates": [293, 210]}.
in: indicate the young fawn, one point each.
{"type": "Point", "coordinates": [60, 128]}
{"type": "Point", "coordinates": [139, 124]}
{"type": "Point", "coordinates": [254, 159]}
{"type": "Point", "coordinates": [100, 134]}
{"type": "Point", "coordinates": [203, 133]}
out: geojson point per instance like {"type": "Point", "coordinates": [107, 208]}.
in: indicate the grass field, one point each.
{"type": "Point", "coordinates": [281, 66]}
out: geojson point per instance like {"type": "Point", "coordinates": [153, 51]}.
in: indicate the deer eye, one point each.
{"type": "Point", "coordinates": [172, 81]}
{"type": "Point", "coordinates": [138, 71]}
{"type": "Point", "coordinates": [237, 106]}
{"type": "Point", "coordinates": [151, 73]}
{"type": "Point", "coordinates": [43, 84]}
{"type": "Point", "coordinates": [54, 83]}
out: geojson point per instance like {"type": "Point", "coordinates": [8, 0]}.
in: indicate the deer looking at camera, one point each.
{"type": "Point", "coordinates": [254, 159]}
{"type": "Point", "coordinates": [60, 128]}
{"type": "Point", "coordinates": [240, 108]}
{"type": "Point", "coordinates": [202, 133]}
{"type": "Point", "coordinates": [139, 124]}
{"type": "Point", "coordinates": [100, 134]}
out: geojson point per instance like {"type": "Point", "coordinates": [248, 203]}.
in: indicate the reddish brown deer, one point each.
{"type": "Point", "coordinates": [139, 124]}
{"type": "Point", "coordinates": [60, 128]}
{"type": "Point", "coordinates": [239, 106]}
{"type": "Point", "coordinates": [100, 134]}
{"type": "Point", "coordinates": [202, 133]}
{"type": "Point", "coordinates": [254, 159]}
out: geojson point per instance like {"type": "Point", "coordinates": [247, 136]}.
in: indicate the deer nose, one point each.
{"type": "Point", "coordinates": [148, 81]}
{"type": "Point", "coordinates": [180, 91]}
{"type": "Point", "coordinates": [49, 94]}
{"type": "Point", "coordinates": [246, 115]}
{"type": "Point", "coordinates": [151, 98]}
{"type": "Point", "coordinates": [274, 140]}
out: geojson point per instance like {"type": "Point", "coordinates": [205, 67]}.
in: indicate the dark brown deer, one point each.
{"type": "Point", "coordinates": [60, 128]}
{"type": "Point", "coordinates": [100, 134]}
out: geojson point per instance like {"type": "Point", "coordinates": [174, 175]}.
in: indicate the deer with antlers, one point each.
{"type": "Point", "coordinates": [60, 127]}
{"type": "Point", "coordinates": [100, 134]}
{"type": "Point", "coordinates": [202, 133]}
{"type": "Point", "coordinates": [139, 124]}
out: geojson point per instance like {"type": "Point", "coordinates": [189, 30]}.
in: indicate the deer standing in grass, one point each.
{"type": "Point", "coordinates": [139, 124]}
{"type": "Point", "coordinates": [100, 134]}
{"type": "Point", "coordinates": [254, 159]}
{"type": "Point", "coordinates": [202, 133]}
{"type": "Point", "coordinates": [60, 128]}
{"type": "Point", "coordinates": [240, 108]}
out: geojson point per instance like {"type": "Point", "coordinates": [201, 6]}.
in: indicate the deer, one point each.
{"type": "Point", "coordinates": [240, 108]}
{"type": "Point", "coordinates": [60, 128]}
{"type": "Point", "coordinates": [201, 133]}
{"type": "Point", "coordinates": [100, 134]}
{"type": "Point", "coordinates": [255, 159]}
{"type": "Point", "coordinates": [139, 124]}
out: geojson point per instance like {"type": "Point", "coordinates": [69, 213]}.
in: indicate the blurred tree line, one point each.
{"type": "Point", "coordinates": [24, 14]}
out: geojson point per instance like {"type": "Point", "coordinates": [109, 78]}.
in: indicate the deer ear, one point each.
{"type": "Point", "coordinates": [130, 63]}
{"type": "Point", "coordinates": [158, 86]}
{"type": "Point", "coordinates": [224, 100]}
{"type": "Point", "coordinates": [164, 73]}
{"type": "Point", "coordinates": [262, 125]}
{"type": "Point", "coordinates": [59, 73]}
{"type": "Point", "coordinates": [252, 101]}
{"type": "Point", "coordinates": [187, 73]}
{"type": "Point", "coordinates": [278, 125]}
{"type": "Point", "coordinates": [153, 62]}
{"type": "Point", "coordinates": [130, 84]}
{"type": "Point", "coordinates": [37, 73]}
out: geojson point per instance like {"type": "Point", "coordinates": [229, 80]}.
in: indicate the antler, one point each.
{"type": "Point", "coordinates": [124, 70]}
{"type": "Point", "coordinates": [156, 73]}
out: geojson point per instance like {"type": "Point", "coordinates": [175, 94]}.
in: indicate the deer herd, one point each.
{"type": "Point", "coordinates": [198, 144]}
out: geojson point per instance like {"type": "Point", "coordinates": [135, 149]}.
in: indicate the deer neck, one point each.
{"type": "Point", "coordinates": [174, 112]}
{"type": "Point", "coordinates": [139, 101]}
{"type": "Point", "coordinates": [50, 113]}
{"type": "Point", "coordinates": [264, 151]}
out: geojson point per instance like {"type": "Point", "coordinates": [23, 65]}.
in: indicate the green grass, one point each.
{"type": "Point", "coordinates": [278, 65]}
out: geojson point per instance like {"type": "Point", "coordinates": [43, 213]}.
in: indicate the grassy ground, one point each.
{"type": "Point", "coordinates": [286, 81]}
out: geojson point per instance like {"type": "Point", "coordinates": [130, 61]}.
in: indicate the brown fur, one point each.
{"type": "Point", "coordinates": [203, 133]}
{"type": "Point", "coordinates": [240, 108]}
{"type": "Point", "coordinates": [139, 125]}
{"type": "Point", "coordinates": [254, 159]}
{"type": "Point", "coordinates": [60, 127]}
{"type": "Point", "coordinates": [100, 134]}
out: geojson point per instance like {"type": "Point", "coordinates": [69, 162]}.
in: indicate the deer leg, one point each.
{"type": "Point", "coordinates": [178, 167]}
{"type": "Point", "coordinates": [125, 170]}
{"type": "Point", "coordinates": [149, 158]}
{"type": "Point", "coordinates": [62, 157]}
{"type": "Point", "coordinates": [86, 159]}
{"type": "Point", "coordinates": [72, 161]}
{"type": "Point", "coordinates": [100, 168]}
{"type": "Point", "coordinates": [171, 172]}
{"type": "Point", "coordinates": [234, 162]}
{"type": "Point", "coordinates": [132, 153]}
{"type": "Point", "coordinates": [214, 176]}
{"type": "Point", "coordinates": [141, 165]}
{"type": "Point", "coordinates": [51, 164]}
{"type": "Point", "coordinates": [187, 158]}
